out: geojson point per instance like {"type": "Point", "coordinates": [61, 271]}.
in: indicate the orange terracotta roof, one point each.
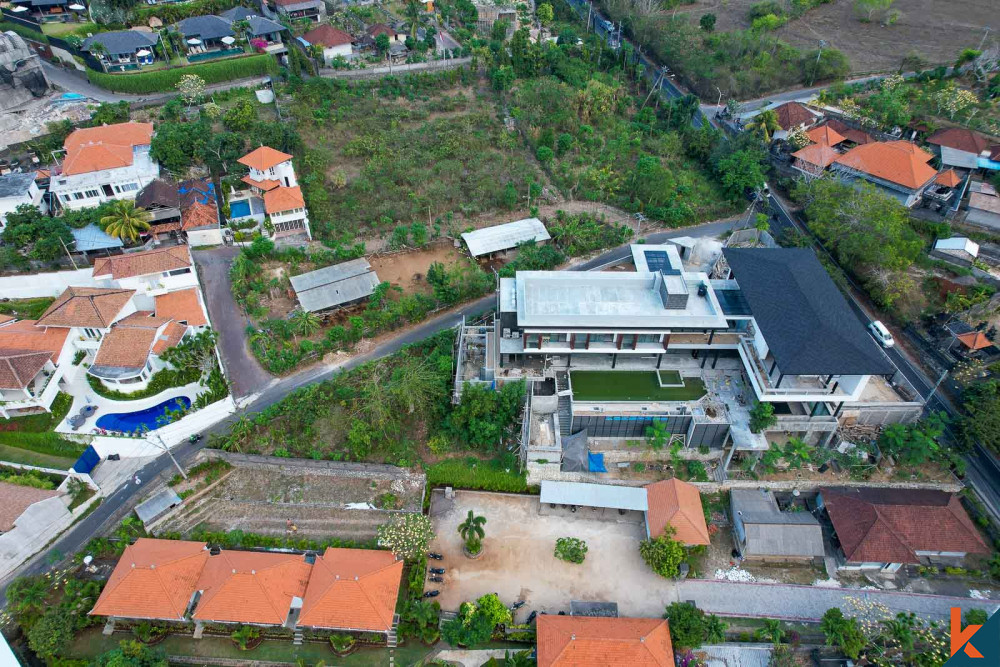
{"type": "Point", "coordinates": [265, 185]}
{"type": "Point", "coordinates": [899, 162]}
{"type": "Point", "coordinates": [948, 178]}
{"type": "Point", "coordinates": [200, 215]}
{"type": "Point", "coordinates": [352, 589]}
{"type": "Point", "coordinates": [250, 587]}
{"type": "Point", "coordinates": [182, 306]}
{"type": "Point", "coordinates": [824, 134]}
{"type": "Point", "coordinates": [105, 147]}
{"type": "Point", "coordinates": [975, 340]}
{"type": "Point", "coordinates": [263, 158]}
{"type": "Point", "coordinates": [159, 260]}
{"type": "Point", "coordinates": [819, 154]}
{"type": "Point", "coordinates": [94, 307]}
{"type": "Point", "coordinates": [327, 35]}
{"type": "Point", "coordinates": [584, 641]}
{"type": "Point", "coordinates": [26, 336]}
{"type": "Point", "coordinates": [960, 139]}
{"type": "Point", "coordinates": [677, 503]}
{"type": "Point", "coordinates": [153, 579]}
{"type": "Point", "coordinates": [283, 199]}
{"type": "Point", "coordinates": [125, 347]}
{"type": "Point", "coordinates": [14, 499]}
{"type": "Point", "coordinates": [4, 318]}
{"type": "Point", "coordinates": [849, 133]}
{"type": "Point", "coordinates": [793, 114]}
{"type": "Point", "coordinates": [18, 369]}
{"type": "Point", "coordinates": [169, 337]}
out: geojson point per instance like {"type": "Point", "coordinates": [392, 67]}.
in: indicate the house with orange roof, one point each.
{"type": "Point", "coordinates": [188, 209]}
{"type": "Point", "coordinates": [148, 273]}
{"type": "Point", "coordinates": [898, 168]}
{"type": "Point", "coordinates": [33, 360]}
{"type": "Point", "coordinates": [274, 199]}
{"type": "Point", "coordinates": [676, 503]}
{"type": "Point", "coordinates": [103, 164]}
{"type": "Point", "coordinates": [129, 354]}
{"type": "Point", "coordinates": [353, 590]}
{"type": "Point", "coordinates": [585, 641]}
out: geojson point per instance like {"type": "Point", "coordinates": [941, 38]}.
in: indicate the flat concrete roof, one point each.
{"type": "Point", "coordinates": [594, 495]}
{"type": "Point", "coordinates": [504, 237]}
{"type": "Point", "coordinates": [609, 300]}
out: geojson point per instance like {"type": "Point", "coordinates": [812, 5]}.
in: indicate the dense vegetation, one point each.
{"type": "Point", "coordinates": [165, 80]}
{"type": "Point", "coordinates": [393, 410]}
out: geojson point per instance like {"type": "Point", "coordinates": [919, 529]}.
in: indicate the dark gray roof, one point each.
{"type": "Point", "coordinates": [239, 13]}
{"type": "Point", "coordinates": [806, 321]}
{"type": "Point", "coordinates": [263, 26]}
{"type": "Point", "coordinates": [335, 285]}
{"type": "Point", "coordinates": [771, 532]}
{"type": "Point", "coordinates": [15, 185]}
{"type": "Point", "coordinates": [121, 41]}
{"type": "Point", "coordinates": [205, 27]}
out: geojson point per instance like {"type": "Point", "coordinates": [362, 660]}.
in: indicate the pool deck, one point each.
{"type": "Point", "coordinates": [82, 394]}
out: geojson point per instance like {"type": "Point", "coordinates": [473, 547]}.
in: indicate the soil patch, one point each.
{"type": "Point", "coordinates": [408, 270]}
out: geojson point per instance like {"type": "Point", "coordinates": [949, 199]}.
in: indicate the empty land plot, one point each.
{"type": "Point", "coordinates": [935, 30]}
{"type": "Point", "coordinates": [321, 499]}
{"type": "Point", "coordinates": [408, 270]}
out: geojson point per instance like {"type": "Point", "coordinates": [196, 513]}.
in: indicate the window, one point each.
{"type": "Point", "coordinates": [92, 333]}
{"type": "Point", "coordinates": [601, 338]}
{"type": "Point", "coordinates": [555, 338]}
{"type": "Point", "coordinates": [179, 272]}
{"type": "Point", "coordinates": [117, 189]}
{"type": "Point", "coordinates": [649, 338]}
{"type": "Point", "coordinates": [78, 196]}
{"type": "Point", "coordinates": [129, 187]}
{"type": "Point", "coordinates": [92, 193]}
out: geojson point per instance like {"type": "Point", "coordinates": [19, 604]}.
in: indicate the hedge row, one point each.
{"type": "Point", "coordinates": [24, 31]}
{"type": "Point", "coordinates": [165, 80]}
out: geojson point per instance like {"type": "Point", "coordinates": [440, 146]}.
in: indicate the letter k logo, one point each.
{"type": "Point", "coordinates": [960, 636]}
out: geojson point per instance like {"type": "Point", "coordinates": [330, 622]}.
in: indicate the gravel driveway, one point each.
{"type": "Point", "coordinates": [245, 374]}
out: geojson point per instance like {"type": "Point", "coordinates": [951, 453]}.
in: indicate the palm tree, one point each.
{"type": "Point", "coordinates": [472, 532]}
{"type": "Point", "coordinates": [764, 125]}
{"type": "Point", "coordinates": [126, 221]}
{"type": "Point", "coordinates": [27, 595]}
{"type": "Point", "coordinates": [519, 659]}
{"type": "Point", "coordinates": [411, 10]}
{"type": "Point", "coordinates": [306, 323]}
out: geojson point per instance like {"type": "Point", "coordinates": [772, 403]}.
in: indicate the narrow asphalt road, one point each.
{"type": "Point", "coordinates": [246, 376]}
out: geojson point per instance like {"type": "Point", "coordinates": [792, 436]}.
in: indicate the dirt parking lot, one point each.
{"type": "Point", "coordinates": [518, 562]}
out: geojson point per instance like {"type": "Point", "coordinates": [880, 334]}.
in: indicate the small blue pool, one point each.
{"type": "Point", "coordinates": [148, 419]}
{"type": "Point", "coordinates": [239, 209]}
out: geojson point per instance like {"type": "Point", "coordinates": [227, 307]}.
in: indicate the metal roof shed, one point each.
{"type": "Point", "coordinates": [594, 495]}
{"type": "Point", "coordinates": [335, 285]}
{"type": "Point", "coordinates": [505, 237]}
{"type": "Point", "coordinates": [159, 503]}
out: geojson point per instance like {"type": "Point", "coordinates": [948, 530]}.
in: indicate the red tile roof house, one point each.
{"type": "Point", "coordinates": [352, 590]}
{"type": "Point", "coordinates": [33, 360]}
{"type": "Point", "coordinates": [794, 116]}
{"type": "Point", "coordinates": [314, 10]}
{"type": "Point", "coordinates": [898, 168]}
{"type": "Point", "coordinates": [272, 177]}
{"type": "Point", "coordinates": [885, 529]}
{"type": "Point", "coordinates": [584, 641]}
{"type": "Point", "coordinates": [959, 147]}
{"type": "Point", "coordinates": [149, 273]}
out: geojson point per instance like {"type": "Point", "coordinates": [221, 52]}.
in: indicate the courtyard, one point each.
{"type": "Point", "coordinates": [518, 561]}
{"type": "Point", "coordinates": [665, 385]}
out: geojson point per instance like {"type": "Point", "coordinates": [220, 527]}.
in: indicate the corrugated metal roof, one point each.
{"type": "Point", "coordinates": [335, 285]}
{"type": "Point", "coordinates": [958, 243]}
{"type": "Point", "coordinates": [594, 495]}
{"type": "Point", "coordinates": [92, 237]}
{"type": "Point", "coordinates": [504, 237]}
{"type": "Point", "coordinates": [731, 655]}
{"type": "Point", "coordinates": [160, 502]}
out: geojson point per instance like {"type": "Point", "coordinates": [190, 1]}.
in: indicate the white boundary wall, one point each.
{"type": "Point", "coordinates": [45, 284]}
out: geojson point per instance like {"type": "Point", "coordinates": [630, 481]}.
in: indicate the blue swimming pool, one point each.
{"type": "Point", "coordinates": [239, 209]}
{"type": "Point", "coordinates": [148, 419]}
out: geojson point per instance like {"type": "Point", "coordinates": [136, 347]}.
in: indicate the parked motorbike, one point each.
{"type": "Point", "coordinates": [195, 437]}
{"type": "Point", "coordinates": [436, 570]}
{"type": "Point", "coordinates": [435, 556]}
{"type": "Point", "coordinates": [531, 617]}
{"type": "Point", "coordinates": [518, 605]}
{"type": "Point", "coordinates": [436, 579]}
{"type": "Point", "coordinates": [432, 594]}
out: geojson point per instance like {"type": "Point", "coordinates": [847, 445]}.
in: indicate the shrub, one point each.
{"type": "Point", "coordinates": [166, 80]}
{"type": "Point", "coordinates": [245, 636]}
{"type": "Point", "coordinates": [342, 643]}
{"type": "Point", "coordinates": [472, 473]}
{"type": "Point", "coordinates": [842, 632]}
{"type": "Point", "coordinates": [406, 535]}
{"type": "Point", "coordinates": [571, 549]}
{"type": "Point", "coordinates": [690, 627]}
{"type": "Point", "coordinates": [663, 554]}
{"type": "Point", "coordinates": [762, 417]}
{"type": "Point", "coordinates": [51, 444]}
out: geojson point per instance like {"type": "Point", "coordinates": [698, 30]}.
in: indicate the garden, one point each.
{"type": "Point", "coordinates": [664, 385]}
{"type": "Point", "coordinates": [31, 440]}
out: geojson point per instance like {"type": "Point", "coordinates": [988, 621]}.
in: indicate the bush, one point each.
{"type": "Point", "coordinates": [571, 549]}
{"type": "Point", "coordinates": [161, 381]}
{"type": "Point", "coordinates": [472, 473]}
{"type": "Point", "coordinates": [762, 416]}
{"type": "Point", "coordinates": [690, 627]}
{"type": "Point", "coordinates": [166, 80]}
{"type": "Point", "coordinates": [245, 637]}
{"type": "Point", "coordinates": [342, 643]}
{"type": "Point", "coordinates": [663, 554]}
{"type": "Point", "coordinates": [844, 633]}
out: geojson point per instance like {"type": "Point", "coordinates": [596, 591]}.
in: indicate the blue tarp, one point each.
{"type": "Point", "coordinates": [986, 163]}
{"type": "Point", "coordinates": [87, 461]}
{"type": "Point", "coordinates": [596, 462]}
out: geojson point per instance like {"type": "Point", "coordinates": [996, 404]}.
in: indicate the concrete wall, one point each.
{"type": "Point", "coordinates": [45, 284]}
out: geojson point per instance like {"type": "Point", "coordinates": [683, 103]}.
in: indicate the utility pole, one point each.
{"type": "Point", "coordinates": [936, 385]}
{"type": "Point", "coordinates": [171, 455]}
{"type": "Point", "coordinates": [71, 260]}
{"type": "Point", "coordinates": [590, 11]}
{"type": "Point", "coordinates": [983, 40]}
{"type": "Point", "coordinates": [812, 79]}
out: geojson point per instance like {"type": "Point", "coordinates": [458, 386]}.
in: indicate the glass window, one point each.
{"type": "Point", "coordinates": [602, 338]}
{"type": "Point", "coordinates": [649, 338]}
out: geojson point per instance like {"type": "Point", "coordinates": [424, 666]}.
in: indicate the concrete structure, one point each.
{"type": "Point", "coordinates": [149, 273]}
{"type": "Point", "coordinates": [508, 236]}
{"type": "Point", "coordinates": [335, 43]}
{"type": "Point", "coordinates": [18, 189]}
{"type": "Point", "coordinates": [121, 50]}
{"type": "Point", "coordinates": [961, 147]}
{"type": "Point", "coordinates": [984, 206]}
{"type": "Point", "coordinates": [956, 249]}
{"type": "Point", "coordinates": [335, 286]}
{"type": "Point", "coordinates": [313, 10]}
{"type": "Point", "coordinates": [272, 179]}
{"type": "Point", "coordinates": [764, 533]}
{"type": "Point", "coordinates": [23, 78]}
{"type": "Point", "coordinates": [103, 164]}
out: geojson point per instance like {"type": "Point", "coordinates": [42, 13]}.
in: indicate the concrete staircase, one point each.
{"type": "Point", "coordinates": [564, 412]}
{"type": "Point", "coordinates": [391, 639]}
{"type": "Point", "coordinates": [297, 638]}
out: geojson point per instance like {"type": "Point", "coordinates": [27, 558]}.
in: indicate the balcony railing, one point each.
{"type": "Point", "coordinates": [798, 384]}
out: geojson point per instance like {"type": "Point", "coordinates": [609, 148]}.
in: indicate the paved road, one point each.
{"type": "Point", "coordinates": [246, 376]}
{"type": "Point", "coordinates": [809, 603]}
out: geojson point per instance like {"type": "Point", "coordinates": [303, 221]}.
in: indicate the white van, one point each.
{"type": "Point", "coordinates": [881, 334]}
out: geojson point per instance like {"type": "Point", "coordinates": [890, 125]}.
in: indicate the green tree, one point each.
{"type": "Point", "coordinates": [52, 633]}
{"type": "Point", "coordinates": [191, 87]}
{"type": "Point", "coordinates": [690, 627]}
{"type": "Point", "coordinates": [132, 653]}
{"type": "Point", "coordinates": [412, 11]}
{"type": "Point", "coordinates": [241, 116]}
{"type": "Point", "coordinates": [707, 22]}
{"type": "Point", "coordinates": [544, 154]}
{"type": "Point", "coordinates": [382, 43]}
{"type": "Point", "coordinates": [473, 532]}
{"type": "Point", "coordinates": [36, 235]}
{"type": "Point", "coordinates": [483, 417]}
{"type": "Point", "coordinates": [843, 633]}
{"type": "Point", "coordinates": [762, 416]}
{"type": "Point", "coordinates": [867, 9]}
{"type": "Point", "coordinates": [545, 15]}
{"type": "Point", "coordinates": [502, 78]}
{"type": "Point", "coordinates": [126, 221]}
{"type": "Point", "coordinates": [982, 404]}
{"type": "Point", "coordinates": [764, 125]}
{"type": "Point", "coordinates": [741, 171]}
{"type": "Point", "coordinates": [663, 554]}
{"type": "Point", "coordinates": [306, 323]}
{"type": "Point", "coordinates": [26, 596]}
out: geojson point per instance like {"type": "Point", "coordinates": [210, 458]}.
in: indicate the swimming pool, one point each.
{"type": "Point", "coordinates": [148, 419]}
{"type": "Point", "coordinates": [239, 209]}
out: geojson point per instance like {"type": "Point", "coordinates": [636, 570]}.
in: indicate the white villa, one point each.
{"type": "Point", "coordinates": [273, 192]}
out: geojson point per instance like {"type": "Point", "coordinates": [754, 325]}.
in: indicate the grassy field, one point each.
{"type": "Point", "coordinates": [25, 309]}
{"type": "Point", "coordinates": [632, 386]}
{"type": "Point", "coordinates": [90, 643]}
{"type": "Point", "coordinates": [26, 457]}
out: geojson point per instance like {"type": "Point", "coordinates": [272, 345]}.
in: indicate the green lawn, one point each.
{"type": "Point", "coordinates": [91, 643]}
{"type": "Point", "coordinates": [632, 386]}
{"type": "Point", "coordinates": [26, 309]}
{"type": "Point", "coordinates": [65, 29]}
{"type": "Point", "coordinates": [26, 457]}
{"type": "Point", "coordinates": [41, 422]}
